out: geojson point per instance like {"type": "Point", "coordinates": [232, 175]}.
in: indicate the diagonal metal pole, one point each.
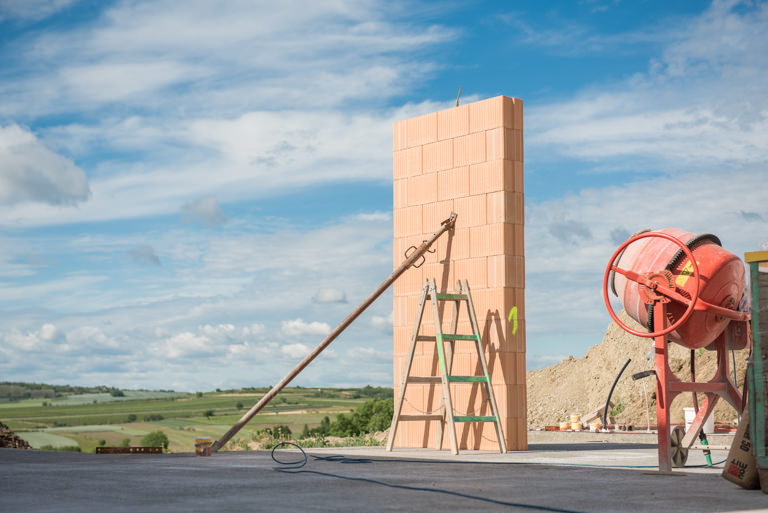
{"type": "Point", "coordinates": [408, 262]}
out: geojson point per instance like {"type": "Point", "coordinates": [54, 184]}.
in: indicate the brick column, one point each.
{"type": "Point", "coordinates": [468, 160]}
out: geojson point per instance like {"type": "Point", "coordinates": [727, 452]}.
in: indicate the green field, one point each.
{"type": "Point", "coordinates": [92, 419]}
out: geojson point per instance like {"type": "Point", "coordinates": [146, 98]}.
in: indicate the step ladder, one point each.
{"type": "Point", "coordinates": [445, 357]}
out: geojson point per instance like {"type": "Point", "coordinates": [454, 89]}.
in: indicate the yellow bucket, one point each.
{"type": "Point", "coordinates": [203, 445]}
{"type": "Point", "coordinates": [563, 426]}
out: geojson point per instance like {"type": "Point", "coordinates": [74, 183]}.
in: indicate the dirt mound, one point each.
{"type": "Point", "coordinates": [9, 440]}
{"type": "Point", "coordinates": [579, 385]}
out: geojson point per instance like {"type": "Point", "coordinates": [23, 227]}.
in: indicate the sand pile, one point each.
{"type": "Point", "coordinates": [579, 385]}
{"type": "Point", "coordinates": [9, 440]}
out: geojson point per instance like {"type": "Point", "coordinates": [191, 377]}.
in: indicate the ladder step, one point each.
{"type": "Point", "coordinates": [426, 338]}
{"type": "Point", "coordinates": [469, 379]}
{"type": "Point", "coordinates": [452, 336]}
{"type": "Point", "coordinates": [425, 379]}
{"type": "Point", "coordinates": [419, 417]}
{"type": "Point", "coordinates": [473, 418]}
{"type": "Point", "coordinates": [452, 297]}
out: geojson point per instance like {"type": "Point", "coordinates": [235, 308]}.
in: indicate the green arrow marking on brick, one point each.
{"type": "Point", "coordinates": [513, 319]}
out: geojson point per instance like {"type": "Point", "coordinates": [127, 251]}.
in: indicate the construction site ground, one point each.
{"type": "Point", "coordinates": [582, 472]}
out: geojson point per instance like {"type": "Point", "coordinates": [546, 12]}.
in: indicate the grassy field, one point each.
{"type": "Point", "coordinates": [93, 419]}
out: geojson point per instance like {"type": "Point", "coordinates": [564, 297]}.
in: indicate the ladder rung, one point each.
{"type": "Point", "coordinates": [452, 336]}
{"type": "Point", "coordinates": [452, 297]}
{"type": "Point", "coordinates": [473, 418]}
{"type": "Point", "coordinates": [426, 338]}
{"type": "Point", "coordinates": [425, 379]}
{"type": "Point", "coordinates": [469, 379]}
{"type": "Point", "coordinates": [419, 417]}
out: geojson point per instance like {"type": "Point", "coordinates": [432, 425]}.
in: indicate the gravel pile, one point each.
{"type": "Point", "coordinates": [579, 385]}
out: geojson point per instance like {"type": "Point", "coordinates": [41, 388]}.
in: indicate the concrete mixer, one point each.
{"type": "Point", "coordinates": [686, 289]}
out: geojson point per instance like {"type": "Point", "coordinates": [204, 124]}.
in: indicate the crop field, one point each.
{"type": "Point", "coordinates": [93, 419]}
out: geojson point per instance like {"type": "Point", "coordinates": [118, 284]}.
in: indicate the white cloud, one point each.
{"type": "Point", "coordinates": [205, 210]}
{"type": "Point", "coordinates": [294, 350]}
{"type": "Point", "coordinates": [33, 10]}
{"type": "Point", "coordinates": [375, 216]}
{"type": "Point", "coordinates": [29, 172]}
{"type": "Point", "coordinates": [329, 295]}
{"type": "Point", "coordinates": [701, 101]}
{"type": "Point", "coordinates": [299, 328]}
{"type": "Point", "coordinates": [383, 324]}
{"type": "Point", "coordinates": [187, 344]}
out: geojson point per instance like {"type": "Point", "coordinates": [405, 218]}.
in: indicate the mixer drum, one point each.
{"type": "Point", "coordinates": [722, 283]}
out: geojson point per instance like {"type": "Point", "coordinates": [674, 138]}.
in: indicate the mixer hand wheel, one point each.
{"type": "Point", "coordinates": [662, 290]}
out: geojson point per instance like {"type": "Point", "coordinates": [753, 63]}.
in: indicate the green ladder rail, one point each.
{"type": "Point", "coordinates": [445, 346]}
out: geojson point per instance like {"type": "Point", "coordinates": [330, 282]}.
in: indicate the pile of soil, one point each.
{"type": "Point", "coordinates": [580, 385]}
{"type": "Point", "coordinates": [9, 440]}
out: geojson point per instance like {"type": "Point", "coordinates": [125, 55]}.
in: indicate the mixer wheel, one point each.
{"type": "Point", "coordinates": [644, 281]}
{"type": "Point", "coordinates": [679, 453]}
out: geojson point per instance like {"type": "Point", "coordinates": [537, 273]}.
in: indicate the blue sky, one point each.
{"type": "Point", "coordinates": [193, 197]}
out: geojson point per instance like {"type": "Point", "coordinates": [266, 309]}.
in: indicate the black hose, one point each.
{"type": "Point", "coordinates": [608, 401]}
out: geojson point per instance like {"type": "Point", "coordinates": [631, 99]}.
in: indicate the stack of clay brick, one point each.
{"type": "Point", "coordinates": [467, 160]}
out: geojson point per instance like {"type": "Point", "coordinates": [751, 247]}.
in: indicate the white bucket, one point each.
{"type": "Point", "coordinates": [709, 424]}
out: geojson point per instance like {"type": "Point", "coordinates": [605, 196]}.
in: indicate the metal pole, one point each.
{"type": "Point", "coordinates": [408, 262]}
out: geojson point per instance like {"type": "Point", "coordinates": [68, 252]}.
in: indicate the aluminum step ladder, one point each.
{"type": "Point", "coordinates": [445, 358]}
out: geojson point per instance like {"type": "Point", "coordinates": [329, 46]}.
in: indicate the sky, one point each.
{"type": "Point", "coordinates": [192, 195]}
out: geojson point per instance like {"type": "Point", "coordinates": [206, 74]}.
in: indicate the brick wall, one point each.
{"type": "Point", "coordinates": [468, 160]}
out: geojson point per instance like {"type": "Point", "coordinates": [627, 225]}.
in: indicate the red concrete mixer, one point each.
{"type": "Point", "coordinates": [683, 288]}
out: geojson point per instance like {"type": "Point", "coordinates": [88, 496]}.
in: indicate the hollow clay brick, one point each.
{"type": "Point", "coordinates": [453, 246]}
{"type": "Point", "coordinates": [453, 183]}
{"type": "Point", "coordinates": [469, 149]}
{"type": "Point", "coordinates": [517, 177]}
{"type": "Point", "coordinates": [399, 139]}
{"type": "Point", "coordinates": [505, 271]}
{"type": "Point", "coordinates": [413, 161]}
{"type": "Point", "coordinates": [421, 130]}
{"type": "Point", "coordinates": [400, 193]}
{"type": "Point", "coordinates": [453, 122]}
{"type": "Point", "coordinates": [479, 241]}
{"type": "Point", "coordinates": [437, 156]}
{"type": "Point", "coordinates": [475, 270]}
{"type": "Point", "coordinates": [435, 213]}
{"type": "Point", "coordinates": [505, 207]}
{"type": "Point", "coordinates": [399, 169]}
{"type": "Point", "coordinates": [471, 211]}
{"type": "Point", "coordinates": [422, 189]}
{"type": "Point", "coordinates": [491, 113]}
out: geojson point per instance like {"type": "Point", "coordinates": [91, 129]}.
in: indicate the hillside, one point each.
{"type": "Point", "coordinates": [579, 385]}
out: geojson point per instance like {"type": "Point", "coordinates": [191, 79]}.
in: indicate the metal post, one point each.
{"type": "Point", "coordinates": [408, 262]}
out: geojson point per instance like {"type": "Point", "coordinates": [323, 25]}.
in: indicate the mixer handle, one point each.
{"type": "Point", "coordinates": [636, 277]}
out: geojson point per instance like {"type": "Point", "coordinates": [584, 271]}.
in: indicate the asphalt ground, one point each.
{"type": "Point", "coordinates": [580, 477]}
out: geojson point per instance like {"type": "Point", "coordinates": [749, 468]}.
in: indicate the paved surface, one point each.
{"type": "Point", "coordinates": [586, 477]}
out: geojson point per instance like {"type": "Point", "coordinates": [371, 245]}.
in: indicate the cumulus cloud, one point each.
{"type": "Point", "coordinates": [29, 172]}
{"type": "Point", "coordinates": [329, 295]}
{"type": "Point", "coordinates": [298, 328]}
{"type": "Point", "coordinates": [205, 211]}
{"type": "Point", "coordinates": [144, 255]}
{"type": "Point", "coordinates": [383, 324]}
{"type": "Point", "coordinates": [294, 350]}
{"type": "Point", "coordinates": [187, 344]}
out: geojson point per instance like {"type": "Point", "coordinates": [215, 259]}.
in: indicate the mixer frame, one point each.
{"type": "Point", "coordinates": [658, 293]}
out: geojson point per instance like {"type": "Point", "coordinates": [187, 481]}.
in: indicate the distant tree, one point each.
{"type": "Point", "coordinates": [116, 392]}
{"type": "Point", "coordinates": [126, 442]}
{"type": "Point", "coordinates": [198, 394]}
{"type": "Point", "coordinates": [132, 417]}
{"type": "Point", "coordinates": [155, 439]}
{"type": "Point", "coordinates": [208, 414]}
{"type": "Point", "coordinates": [239, 405]}
{"type": "Point", "coordinates": [153, 417]}
{"type": "Point", "coordinates": [102, 443]}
